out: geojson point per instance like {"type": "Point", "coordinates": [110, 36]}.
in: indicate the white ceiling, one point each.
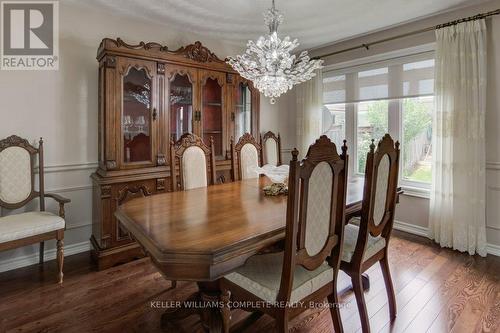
{"type": "Point", "coordinates": [313, 22]}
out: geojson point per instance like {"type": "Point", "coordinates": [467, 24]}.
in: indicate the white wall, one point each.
{"type": "Point", "coordinates": [413, 211]}
{"type": "Point", "coordinates": [61, 107]}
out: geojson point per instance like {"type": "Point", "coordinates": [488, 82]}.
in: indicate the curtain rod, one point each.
{"type": "Point", "coordinates": [416, 32]}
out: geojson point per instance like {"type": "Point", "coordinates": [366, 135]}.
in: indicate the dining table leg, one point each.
{"type": "Point", "coordinates": [171, 316]}
{"type": "Point", "coordinates": [215, 314]}
{"type": "Point", "coordinates": [209, 303]}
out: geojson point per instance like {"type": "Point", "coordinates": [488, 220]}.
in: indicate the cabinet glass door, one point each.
{"type": "Point", "coordinates": [212, 114]}
{"type": "Point", "coordinates": [181, 106]}
{"type": "Point", "coordinates": [136, 117]}
{"type": "Point", "coordinates": [243, 111]}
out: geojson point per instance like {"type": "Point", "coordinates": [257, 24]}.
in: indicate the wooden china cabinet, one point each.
{"type": "Point", "coordinates": [149, 95]}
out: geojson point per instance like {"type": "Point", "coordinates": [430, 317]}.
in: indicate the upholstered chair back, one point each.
{"type": "Point", "coordinates": [195, 160]}
{"type": "Point", "coordinates": [194, 168]}
{"type": "Point", "coordinates": [17, 170]}
{"type": "Point", "coordinates": [246, 152]}
{"type": "Point", "coordinates": [381, 188]}
{"type": "Point", "coordinates": [315, 213]}
{"type": "Point", "coordinates": [271, 149]}
{"type": "Point", "coordinates": [381, 177]}
{"type": "Point", "coordinates": [249, 159]}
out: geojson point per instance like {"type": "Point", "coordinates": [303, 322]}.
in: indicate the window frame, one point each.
{"type": "Point", "coordinates": [395, 113]}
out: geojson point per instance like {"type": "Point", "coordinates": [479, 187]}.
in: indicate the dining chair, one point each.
{"type": "Point", "coordinates": [245, 157]}
{"type": "Point", "coordinates": [271, 148]}
{"type": "Point", "coordinates": [17, 189]}
{"type": "Point", "coordinates": [306, 271]}
{"type": "Point", "coordinates": [196, 162]}
{"type": "Point", "coordinates": [366, 238]}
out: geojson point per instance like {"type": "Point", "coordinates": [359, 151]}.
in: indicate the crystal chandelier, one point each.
{"type": "Point", "coordinates": [269, 64]}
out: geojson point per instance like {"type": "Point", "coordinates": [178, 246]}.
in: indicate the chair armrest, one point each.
{"type": "Point", "coordinates": [58, 198]}
{"type": "Point", "coordinates": [61, 200]}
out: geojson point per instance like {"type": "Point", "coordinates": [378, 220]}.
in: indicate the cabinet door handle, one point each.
{"type": "Point", "coordinates": [155, 113]}
{"type": "Point", "coordinates": [232, 116]}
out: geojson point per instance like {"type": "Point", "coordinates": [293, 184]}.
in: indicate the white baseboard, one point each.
{"type": "Point", "coordinates": [422, 231]}
{"type": "Point", "coordinates": [31, 259]}
{"type": "Point", "coordinates": [493, 249]}
{"type": "Point", "coordinates": [410, 228]}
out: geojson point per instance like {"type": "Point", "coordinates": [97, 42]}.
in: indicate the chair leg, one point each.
{"type": "Point", "coordinates": [282, 323]}
{"type": "Point", "coordinates": [60, 258]}
{"type": "Point", "coordinates": [384, 265]}
{"type": "Point", "coordinates": [357, 285]}
{"type": "Point", "coordinates": [335, 310]}
{"type": "Point", "coordinates": [41, 252]}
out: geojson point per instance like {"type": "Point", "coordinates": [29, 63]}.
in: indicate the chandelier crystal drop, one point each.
{"type": "Point", "coordinates": [269, 64]}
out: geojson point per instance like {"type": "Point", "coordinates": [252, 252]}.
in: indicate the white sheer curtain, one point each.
{"type": "Point", "coordinates": [457, 205]}
{"type": "Point", "coordinates": [309, 104]}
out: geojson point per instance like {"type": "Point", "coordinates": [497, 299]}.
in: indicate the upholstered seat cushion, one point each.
{"type": "Point", "coordinates": [261, 275]}
{"type": "Point", "coordinates": [24, 225]}
{"type": "Point", "coordinates": [351, 230]}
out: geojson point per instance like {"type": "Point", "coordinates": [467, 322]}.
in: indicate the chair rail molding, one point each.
{"type": "Point", "coordinates": [491, 165]}
{"type": "Point", "coordinates": [70, 167]}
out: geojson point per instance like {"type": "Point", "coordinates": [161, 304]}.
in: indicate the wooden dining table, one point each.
{"type": "Point", "coordinates": [205, 233]}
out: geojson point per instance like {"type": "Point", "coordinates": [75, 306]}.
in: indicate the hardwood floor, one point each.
{"type": "Point", "coordinates": [438, 290]}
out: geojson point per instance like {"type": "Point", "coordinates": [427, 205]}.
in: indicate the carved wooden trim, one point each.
{"type": "Point", "coordinates": [111, 164]}
{"type": "Point", "coordinates": [160, 68]}
{"type": "Point", "coordinates": [181, 71]}
{"type": "Point", "coordinates": [16, 141]}
{"type": "Point", "coordinates": [270, 135]}
{"type": "Point", "coordinates": [142, 45]}
{"type": "Point", "coordinates": [214, 76]}
{"type": "Point", "coordinates": [188, 140]}
{"type": "Point", "coordinates": [105, 191]}
{"type": "Point", "coordinates": [160, 184]}
{"type": "Point", "coordinates": [221, 179]}
{"type": "Point", "coordinates": [125, 69]}
{"type": "Point", "coordinates": [230, 78]}
{"type": "Point", "coordinates": [323, 150]}
{"type": "Point", "coordinates": [161, 159]}
{"type": "Point", "coordinates": [197, 52]}
{"type": "Point", "coordinates": [132, 190]}
{"type": "Point", "coordinates": [110, 62]}
{"type": "Point", "coordinates": [247, 138]}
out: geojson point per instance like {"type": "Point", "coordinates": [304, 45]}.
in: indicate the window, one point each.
{"type": "Point", "coordinates": [395, 96]}
{"type": "Point", "coordinates": [334, 122]}
{"type": "Point", "coordinates": [417, 129]}
{"type": "Point", "coordinates": [372, 123]}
